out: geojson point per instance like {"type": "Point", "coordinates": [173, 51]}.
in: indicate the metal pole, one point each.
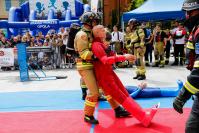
{"type": "Point", "coordinates": [103, 12]}
{"type": "Point", "coordinates": [119, 12]}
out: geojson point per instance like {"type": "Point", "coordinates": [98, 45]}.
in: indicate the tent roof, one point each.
{"type": "Point", "coordinates": [157, 10]}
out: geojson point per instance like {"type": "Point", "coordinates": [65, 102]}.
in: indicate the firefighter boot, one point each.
{"type": "Point", "coordinates": [90, 119]}
{"type": "Point", "coordinates": [141, 77]}
{"type": "Point", "coordinates": [121, 112]}
{"type": "Point", "coordinates": [136, 76]}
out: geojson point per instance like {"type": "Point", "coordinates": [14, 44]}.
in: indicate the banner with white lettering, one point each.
{"type": "Point", "coordinates": [6, 57]}
{"type": "Point", "coordinates": [44, 24]}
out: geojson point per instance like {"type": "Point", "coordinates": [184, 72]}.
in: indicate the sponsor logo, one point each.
{"type": "Point", "coordinates": [43, 26]}
{"type": "Point", "coordinates": [190, 4]}
{"type": "Point", "coordinates": [36, 22]}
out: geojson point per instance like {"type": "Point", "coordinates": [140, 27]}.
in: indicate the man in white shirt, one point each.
{"type": "Point", "coordinates": [117, 40]}
{"type": "Point", "coordinates": [62, 31]}
{"type": "Point", "coordinates": [175, 28]}
{"type": "Point", "coordinates": [179, 38]}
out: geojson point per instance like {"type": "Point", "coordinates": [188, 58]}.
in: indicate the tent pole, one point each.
{"type": "Point", "coordinates": [122, 24]}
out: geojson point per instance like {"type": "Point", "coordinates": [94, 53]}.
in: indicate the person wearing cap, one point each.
{"type": "Point", "coordinates": [191, 86]}
{"type": "Point", "coordinates": [127, 41]}
{"type": "Point", "coordinates": [138, 43]}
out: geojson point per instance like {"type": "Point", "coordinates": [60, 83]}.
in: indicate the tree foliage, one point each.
{"type": "Point", "coordinates": [85, 1]}
{"type": "Point", "coordinates": [135, 4]}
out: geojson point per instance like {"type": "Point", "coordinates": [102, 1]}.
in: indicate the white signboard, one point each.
{"type": "Point", "coordinates": [6, 57]}
{"type": "Point", "coordinates": [43, 6]}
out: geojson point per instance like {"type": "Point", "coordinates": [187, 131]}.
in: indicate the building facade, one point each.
{"type": "Point", "coordinates": [113, 10]}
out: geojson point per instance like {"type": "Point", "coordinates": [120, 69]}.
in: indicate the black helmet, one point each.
{"type": "Point", "coordinates": [133, 22]}
{"type": "Point", "coordinates": [189, 5]}
{"type": "Point", "coordinates": [75, 26]}
{"type": "Point", "coordinates": [98, 17]}
{"type": "Point", "coordinates": [89, 17]}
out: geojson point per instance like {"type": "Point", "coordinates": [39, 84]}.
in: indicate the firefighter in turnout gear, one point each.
{"type": "Point", "coordinates": [191, 86]}
{"type": "Point", "coordinates": [84, 64]}
{"type": "Point", "coordinates": [159, 39]}
{"type": "Point", "coordinates": [138, 43]}
{"type": "Point", "coordinates": [127, 43]}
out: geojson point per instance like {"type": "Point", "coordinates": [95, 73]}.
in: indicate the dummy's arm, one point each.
{"type": "Point", "coordinates": [135, 93]}
{"type": "Point", "coordinates": [100, 53]}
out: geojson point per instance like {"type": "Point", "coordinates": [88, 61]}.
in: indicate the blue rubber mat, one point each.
{"type": "Point", "coordinates": [41, 100]}
{"type": "Point", "coordinates": [62, 100]}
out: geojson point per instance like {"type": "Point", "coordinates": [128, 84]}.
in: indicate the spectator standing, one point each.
{"type": "Point", "coordinates": [159, 39]}
{"type": "Point", "coordinates": [117, 40]}
{"type": "Point", "coordinates": [179, 39]}
{"type": "Point", "coordinates": [138, 42]}
{"type": "Point", "coordinates": [63, 48]}
{"type": "Point", "coordinates": [62, 31]}
{"type": "Point", "coordinates": [127, 40]}
{"type": "Point", "coordinates": [168, 46]}
{"type": "Point", "coordinates": [148, 44]}
{"type": "Point", "coordinates": [127, 43]}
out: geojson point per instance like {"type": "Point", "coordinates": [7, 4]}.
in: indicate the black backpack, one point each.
{"type": "Point", "coordinates": [74, 28]}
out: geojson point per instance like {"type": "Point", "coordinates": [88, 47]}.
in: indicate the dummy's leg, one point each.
{"type": "Point", "coordinates": [148, 92]}
{"type": "Point", "coordinates": [113, 88]}
{"type": "Point", "coordinates": [168, 92]}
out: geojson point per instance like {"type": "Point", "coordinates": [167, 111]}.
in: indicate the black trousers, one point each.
{"type": "Point", "coordinates": [167, 51]}
{"type": "Point", "coordinates": [192, 124]}
{"type": "Point", "coordinates": [148, 53]}
{"type": "Point", "coordinates": [178, 50]}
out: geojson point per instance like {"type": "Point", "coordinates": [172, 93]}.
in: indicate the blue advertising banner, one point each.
{"type": "Point", "coordinates": [43, 6]}
{"type": "Point", "coordinates": [22, 60]}
{"type": "Point", "coordinates": [44, 24]}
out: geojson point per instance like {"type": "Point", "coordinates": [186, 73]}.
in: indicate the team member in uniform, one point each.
{"type": "Point", "coordinates": [138, 42]}
{"type": "Point", "coordinates": [159, 39]}
{"type": "Point", "coordinates": [127, 43]}
{"type": "Point", "coordinates": [168, 46]}
{"type": "Point", "coordinates": [82, 45]}
{"type": "Point", "coordinates": [191, 86]}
